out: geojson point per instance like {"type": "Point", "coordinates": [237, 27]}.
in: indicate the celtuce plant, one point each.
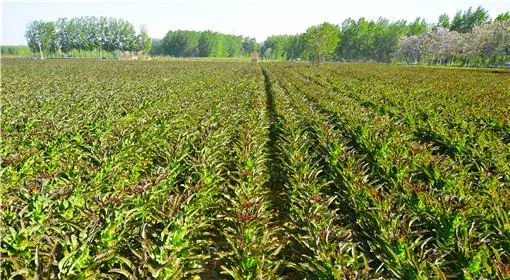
{"type": "Point", "coordinates": [213, 170]}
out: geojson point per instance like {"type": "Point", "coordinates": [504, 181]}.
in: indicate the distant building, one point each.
{"type": "Point", "coordinates": [254, 57]}
{"type": "Point", "coordinates": [127, 55]}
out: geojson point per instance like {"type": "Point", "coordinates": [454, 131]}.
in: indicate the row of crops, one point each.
{"type": "Point", "coordinates": [412, 179]}
{"type": "Point", "coordinates": [212, 170]}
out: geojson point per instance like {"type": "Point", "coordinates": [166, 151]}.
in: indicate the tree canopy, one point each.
{"type": "Point", "coordinates": [469, 36]}
{"type": "Point", "coordinates": [352, 40]}
{"type": "Point", "coordinates": [85, 34]}
{"type": "Point", "coordinates": [185, 43]}
{"type": "Point", "coordinates": [485, 44]}
{"type": "Point", "coordinates": [321, 41]}
{"type": "Point", "coordinates": [464, 22]}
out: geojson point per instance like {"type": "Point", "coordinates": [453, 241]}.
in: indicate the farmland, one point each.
{"type": "Point", "coordinates": [213, 170]}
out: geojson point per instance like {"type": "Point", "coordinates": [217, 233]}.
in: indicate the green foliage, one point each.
{"type": "Point", "coordinates": [487, 45]}
{"type": "Point", "coordinates": [85, 34]}
{"type": "Point", "coordinates": [355, 143]}
{"type": "Point", "coordinates": [279, 47]}
{"type": "Point", "coordinates": [157, 47]}
{"type": "Point", "coordinates": [250, 45]}
{"type": "Point", "coordinates": [206, 44]}
{"type": "Point", "coordinates": [472, 40]}
{"type": "Point", "coordinates": [443, 21]}
{"type": "Point", "coordinates": [358, 40]}
{"type": "Point", "coordinates": [187, 170]}
{"type": "Point", "coordinates": [464, 22]}
{"type": "Point", "coordinates": [417, 27]}
{"type": "Point", "coordinates": [183, 43]}
{"type": "Point", "coordinates": [321, 41]}
{"type": "Point", "coordinates": [369, 40]}
{"type": "Point", "coordinates": [502, 17]}
{"type": "Point", "coordinates": [16, 51]}
{"type": "Point", "coordinates": [41, 37]}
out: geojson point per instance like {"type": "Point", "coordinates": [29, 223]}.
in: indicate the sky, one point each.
{"type": "Point", "coordinates": [252, 18]}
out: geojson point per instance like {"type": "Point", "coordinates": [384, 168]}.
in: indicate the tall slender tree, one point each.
{"type": "Point", "coordinates": [322, 41]}
{"type": "Point", "coordinates": [41, 37]}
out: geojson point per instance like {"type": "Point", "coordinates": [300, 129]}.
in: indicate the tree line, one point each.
{"type": "Point", "coordinates": [185, 43]}
{"type": "Point", "coordinates": [15, 51]}
{"type": "Point", "coordinates": [85, 34]}
{"type": "Point", "coordinates": [470, 37]}
{"type": "Point", "coordinates": [352, 40]}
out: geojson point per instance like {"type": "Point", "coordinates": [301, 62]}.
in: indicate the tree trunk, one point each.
{"type": "Point", "coordinates": [40, 51]}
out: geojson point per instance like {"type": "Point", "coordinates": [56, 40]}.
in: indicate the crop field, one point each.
{"type": "Point", "coordinates": [214, 170]}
